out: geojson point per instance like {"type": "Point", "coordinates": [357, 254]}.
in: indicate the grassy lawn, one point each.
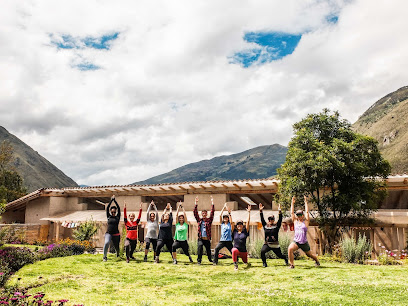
{"type": "Point", "coordinates": [86, 279]}
{"type": "Point", "coordinates": [32, 247]}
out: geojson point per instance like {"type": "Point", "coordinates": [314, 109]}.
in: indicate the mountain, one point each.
{"type": "Point", "coordinates": [259, 162]}
{"type": "Point", "coordinates": [36, 171]}
{"type": "Point", "coordinates": [386, 121]}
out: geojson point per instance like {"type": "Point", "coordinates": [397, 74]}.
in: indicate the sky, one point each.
{"type": "Point", "coordinates": [117, 92]}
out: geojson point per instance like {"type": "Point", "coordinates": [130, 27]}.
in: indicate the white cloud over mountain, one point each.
{"type": "Point", "coordinates": [165, 92]}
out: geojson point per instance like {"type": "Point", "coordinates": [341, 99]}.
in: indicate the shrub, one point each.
{"type": "Point", "coordinates": [54, 250]}
{"type": "Point", "coordinates": [16, 258]}
{"type": "Point", "coordinates": [86, 230]}
{"type": "Point", "coordinates": [284, 241]}
{"type": "Point", "coordinates": [11, 234]}
{"type": "Point", "coordinates": [77, 245]}
{"type": "Point", "coordinates": [356, 251]}
{"type": "Point", "coordinates": [40, 242]}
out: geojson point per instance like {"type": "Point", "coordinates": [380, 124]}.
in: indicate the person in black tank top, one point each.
{"type": "Point", "coordinates": [271, 230]}
{"type": "Point", "coordinates": [112, 233]}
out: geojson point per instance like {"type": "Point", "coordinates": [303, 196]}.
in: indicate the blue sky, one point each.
{"type": "Point", "coordinates": [270, 46]}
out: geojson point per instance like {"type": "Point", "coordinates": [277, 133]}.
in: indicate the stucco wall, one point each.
{"type": "Point", "coordinates": [11, 216]}
{"type": "Point", "coordinates": [204, 201]}
{"type": "Point", "coordinates": [37, 209]}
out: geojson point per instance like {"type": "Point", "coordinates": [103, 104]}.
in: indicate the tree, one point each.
{"type": "Point", "coordinates": [11, 183]}
{"type": "Point", "coordinates": [341, 172]}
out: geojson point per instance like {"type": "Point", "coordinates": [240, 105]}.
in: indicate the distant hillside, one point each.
{"type": "Point", "coordinates": [386, 120]}
{"type": "Point", "coordinates": [259, 162]}
{"type": "Point", "coordinates": [37, 172]}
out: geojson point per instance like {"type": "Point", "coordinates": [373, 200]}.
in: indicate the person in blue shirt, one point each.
{"type": "Point", "coordinates": [227, 227]}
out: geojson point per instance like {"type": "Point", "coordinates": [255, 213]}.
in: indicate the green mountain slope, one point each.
{"type": "Point", "coordinates": [386, 120]}
{"type": "Point", "coordinates": [37, 172]}
{"type": "Point", "coordinates": [259, 162]}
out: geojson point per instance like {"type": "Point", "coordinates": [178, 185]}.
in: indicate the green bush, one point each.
{"type": "Point", "coordinates": [11, 234]}
{"type": "Point", "coordinates": [86, 230]}
{"type": "Point", "coordinates": [356, 251]}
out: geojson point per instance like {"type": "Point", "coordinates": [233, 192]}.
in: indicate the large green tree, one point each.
{"type": "Point", "coordinates": [341, 172]}
{"type": "Point", "coordinates": [11, 183]}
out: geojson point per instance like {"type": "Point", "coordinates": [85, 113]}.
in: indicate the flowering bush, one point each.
{"type": "Point", "coordinates": [11, 234]}
{"type": "Point", "coordinates": [40, 242]}
{"type": "Point", "coordinates": [15, 258]}
{"type": "Point", "coordinates": [21, 297]}
{"type": "Point", "coordinates": [79, 247]}
{"type": "Point", "coordinates": [54, 250]}
{"type": "Point", "coordinates": [387, 257]}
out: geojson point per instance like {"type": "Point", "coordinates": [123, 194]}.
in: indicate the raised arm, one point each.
{"type": "Point", "coordinates": [109, 206]}
{"type": "Point", "coordinates": [249, 217]}
{"type": "Point", "coordinates": [212, 210]}
{"type": "Point", "coordinates": [278, 225]}
{"type": "Point", "coordinates": [292, 209]}
{"type": "Point", "coordinates": [185, 215]}
{"type": "Point", "coordinates": [118, 207]}
{"type": "Point", "coordinates": [307, 217]}
{"type": "Point", "coordinates": [195, 211]}
{"type": "Point", "coordinates": [261, 207]}
{"type": "Point", "coordinates": [148, 211]}
{"type": "Point", "coordinates": [140, 214]}
{"type": "Point", "coordinates": [177, 212]}
{"type": "Point", "coordinates": [222, 211]}
{"type": "Point", "coordinates": [230, 218]}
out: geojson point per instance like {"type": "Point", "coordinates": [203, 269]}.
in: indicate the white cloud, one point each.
{"type": "Point", "coordinates": [166, 93]}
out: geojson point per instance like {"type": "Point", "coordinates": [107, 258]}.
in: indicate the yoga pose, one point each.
{"type": "Point", "coordinates": [112, 234]}
{"type": "Point", "coordinates": [271, 230]}
{"type": "Point", "coordinates": [165, 232]}
{"type": "Point", "coordinates": [204, 230]}
{"type": "Point", "coordinates": [301, 222]}
{"type": "Point", "coordinates": [240, 235]}
{"type": "Point", "coordinates": [152, 227]}
{"type": "Point", "coordinates": [131, 232]}
{"type": "Point", "coordinates": [181, 234]}
{"type": "Point", "coordinates": [226, 233]}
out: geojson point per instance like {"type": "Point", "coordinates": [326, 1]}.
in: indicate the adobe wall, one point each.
{"type": "Point", "coordinates": [37, 209]}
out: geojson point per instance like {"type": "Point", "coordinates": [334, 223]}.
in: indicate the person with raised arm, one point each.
{"type": "Point", "coordinates": [131, 232]}
{"type": "Point", "coordinates": [271, 231]}
{"type": "Point", "coordinates": [165, 232]}
{"type": "Point", "coordinates": [240, 235]}
{"type": "Point", "coordinates": [301, 222]}
{"type": "Point", "coordinates": [181, 234]}
{"type": "Point", "coordinates": [204, 230]}
{"type": "Point", "coordinates": [152, 227]}
{"type": "Point", "coordinates": [112, 233]}
{"type": "Point", "coordinates": [226, 233]}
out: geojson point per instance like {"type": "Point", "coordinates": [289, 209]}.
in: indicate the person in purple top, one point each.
{"type": "Point", "coordinates": [240, 235]}
{"type": "Point", "coordinates": [301, 222]}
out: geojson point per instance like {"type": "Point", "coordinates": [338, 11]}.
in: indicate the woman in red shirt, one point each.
{"type": "Point", "coordinates": [131, 232]}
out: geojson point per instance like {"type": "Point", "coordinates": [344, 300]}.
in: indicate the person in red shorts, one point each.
{"type": "Point", "coordinates": [240, 235]}
{"type": "Point", "coordinates": [131, 232]}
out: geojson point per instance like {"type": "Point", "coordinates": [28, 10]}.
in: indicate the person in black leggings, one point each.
{"type": "Point", "coordinates": [112, 234]}
{"type": "Point", "coordinates": [271, 230]}
{"type": "Point", "coordinates": [165, 232]}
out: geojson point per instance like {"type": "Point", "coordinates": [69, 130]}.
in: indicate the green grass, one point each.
{"type": "Point", "coordinates": [30, 246]}
{"type": "Point", "coordinates": [86, 279]}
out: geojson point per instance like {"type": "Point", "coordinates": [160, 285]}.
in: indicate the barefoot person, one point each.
{"type": "Point", "coordinates": [165, 232]}
{"type": "Point", "coordinates": [152, 227]}
{"type": "Point", "coordinates": [131, 232]}
{"type": "Point", "coordinates": [204, 230]}
{"type": "Point", "coordinates": [226, 233]}
{"type": "Point", "coordinates": [240, 235]}
{"type": "Point", "coordinates": [180, 237]}
{"type": "Point", "coordinates": [301, 222]}
{"type": "Point", "coordinates": [112, 233]}
{"type": "Point", "coordinates": [271, 230]}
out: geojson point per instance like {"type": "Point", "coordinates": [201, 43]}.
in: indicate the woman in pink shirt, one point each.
{"type": "Point", "coordinates": [301, 222]}
{"type": "Point", "coordinates": [131, 232]}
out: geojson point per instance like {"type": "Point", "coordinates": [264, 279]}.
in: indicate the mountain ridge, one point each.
{"type": "Point", "coordinates": [36, 171]}
{"type": "Point", "coordinates": [385, 121]}
{"type": "Point", "coordinates": [258, 162]}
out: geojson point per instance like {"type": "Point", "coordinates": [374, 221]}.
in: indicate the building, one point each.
{"type": "Point", "coordinates": [45, 212]}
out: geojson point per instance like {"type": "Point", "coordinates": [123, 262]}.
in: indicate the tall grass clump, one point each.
{"type": "Point", "coordinates": [356, 251]}
{"type": "Point", "coordinates": [86, 230]}
{"type": "Point", "coordinates": [284, 242]}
